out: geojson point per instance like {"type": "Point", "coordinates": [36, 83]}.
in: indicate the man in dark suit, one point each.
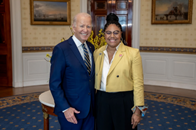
{"type": "Point", "coordinates": [72, 77]}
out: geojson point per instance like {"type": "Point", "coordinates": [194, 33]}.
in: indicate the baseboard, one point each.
{"type": "Point", "coordinates": [33, 83]}
{"type": "Point", "coordinates": [17, 84]}
{"type": "Point", "coordinates": [170, 84]}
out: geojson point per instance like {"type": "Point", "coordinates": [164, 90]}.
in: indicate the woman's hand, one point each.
{"type": "Point", "coordinates": [136, 118]}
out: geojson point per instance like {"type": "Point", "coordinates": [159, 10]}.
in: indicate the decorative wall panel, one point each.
{"type": "Point", "coordinates": [171, 70]}
{"type": "Point", "coordinates": [100, 5]}
{"type": "Point", "coordinates": [35, 68]}
{"type": "Point", "coordinates": [3, 65]}
{"type": "Point", "coordinates": [99, 22]}
{"type": "Point", "coordinates": [2, 34]}
{"type": "Point", "coordinates": [159, 69]}
{"type": "Point", "coordinates": [184, 69]}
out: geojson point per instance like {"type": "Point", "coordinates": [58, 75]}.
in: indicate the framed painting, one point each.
{"type": "Point", "coordinates": [172, 11]}
{"type": "Point", "coordinates": [50, 12]}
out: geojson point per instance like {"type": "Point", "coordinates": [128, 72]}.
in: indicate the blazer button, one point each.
{"type": "Point", "coordinates": [89, 93]}
{"type": "Point", "coordinates": [117, 76]}
{"type": "Point", "coordinates": [89, 80]}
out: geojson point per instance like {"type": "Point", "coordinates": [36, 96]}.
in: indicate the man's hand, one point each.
{"type": "Point", "coordinates": [136, 117]}
{"type": "Point", "coordinates": [69, 115]}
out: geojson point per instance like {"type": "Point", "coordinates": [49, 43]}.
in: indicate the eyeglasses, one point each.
{"type": "Point", "coordinates": [110, 33]}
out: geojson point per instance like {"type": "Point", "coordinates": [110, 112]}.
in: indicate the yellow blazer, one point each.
{"type": "Point", "coordinates": [125, 73]}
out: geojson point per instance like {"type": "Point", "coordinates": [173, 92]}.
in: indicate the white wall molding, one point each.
{"type": "Point", "coordinates": [15, 13]}
{"type": "Point", "coordinates": [35, 68]}
{"type": "Point", "coordinates": [170, 84]}
{"type": "Point", "coordinates": [171, 70]}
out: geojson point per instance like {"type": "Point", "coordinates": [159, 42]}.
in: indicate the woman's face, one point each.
{"type": "Point", "coordinates": [113, 35]}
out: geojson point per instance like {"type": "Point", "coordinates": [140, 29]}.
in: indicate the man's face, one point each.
{"type": "Point", "coordinates": [82, 29]}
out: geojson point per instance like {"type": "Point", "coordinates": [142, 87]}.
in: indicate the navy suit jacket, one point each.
{"type": "Point", "coordinates": [70, 83]}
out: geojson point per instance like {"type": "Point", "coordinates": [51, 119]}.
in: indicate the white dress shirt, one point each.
{"type": "Point", "coordinates": [106, 68]}
{"type": "Point", "coordinates": [80, 49]}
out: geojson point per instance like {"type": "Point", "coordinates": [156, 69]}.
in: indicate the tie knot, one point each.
{"type": "Point", "coordinates": [84, 48]}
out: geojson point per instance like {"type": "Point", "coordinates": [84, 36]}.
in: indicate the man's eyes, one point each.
{"type": "Point", "coordinates": [82, 26]}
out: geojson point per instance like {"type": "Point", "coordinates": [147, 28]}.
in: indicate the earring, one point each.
{"type": "Point", "coordinates": [121, 39]}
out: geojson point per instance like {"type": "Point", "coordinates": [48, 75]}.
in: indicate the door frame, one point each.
{"type": "Point", "coordinates": [136, 24]}
{"type": "Point", "coordinates": [16, 34]}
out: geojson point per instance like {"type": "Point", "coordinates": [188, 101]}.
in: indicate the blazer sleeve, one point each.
{"type": "Point", "coordinates": [57, 72]}
{"type": "Point", "coordinates": [137, 74]}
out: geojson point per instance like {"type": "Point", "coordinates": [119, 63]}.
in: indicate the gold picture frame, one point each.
{"type": "Point", "coordinates": [50, 12]}
{"type": "Point", "coordinates": [172, 12]}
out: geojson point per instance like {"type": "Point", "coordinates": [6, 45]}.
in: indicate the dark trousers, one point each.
{"type": "Point", "coordinates": [113, 110]}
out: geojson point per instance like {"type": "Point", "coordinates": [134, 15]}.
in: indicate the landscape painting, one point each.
{"type": "Point", "coordinates": [50, 12]}
{"type": "Point", "coordinates": [172, 11]}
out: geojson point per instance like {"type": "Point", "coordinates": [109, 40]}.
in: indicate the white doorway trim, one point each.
{"type": "Point", "coordinates": [136, 24]}
{"type": "Point", "coordinates": [83, 6]}
{"type": "Point", "coordinates": [16, 35]}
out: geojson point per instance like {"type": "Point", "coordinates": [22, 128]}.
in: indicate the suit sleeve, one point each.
{"type": "Point", "coordinates": [137, 73]}
{"type": "Point", "coordinates": [57, 71]}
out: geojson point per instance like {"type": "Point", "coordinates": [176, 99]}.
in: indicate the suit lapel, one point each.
{"type": "Point", "coordinates": [100, 60]}
{"type": "Point", "coordinates": [76, 51]}
{"type": "Point", "coordinates": [92, 59]}
{"type": "Point", "coordinates": [118, 56]}
{"type": "Point", "coordinates": [90, 48]}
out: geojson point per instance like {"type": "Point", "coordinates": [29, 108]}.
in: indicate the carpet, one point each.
{"type": "Point", "coordinates": [165, 112]}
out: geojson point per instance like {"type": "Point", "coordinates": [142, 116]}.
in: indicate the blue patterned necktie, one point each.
{"type": "Point", "coordinates": [86, 59]}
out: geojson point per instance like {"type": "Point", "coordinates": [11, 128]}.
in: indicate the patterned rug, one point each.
{"type": "Point", "coordinates": [166, 112]}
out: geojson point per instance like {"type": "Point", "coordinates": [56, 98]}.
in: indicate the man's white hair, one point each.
{"type": "Point", "coordinates": [80, 14]}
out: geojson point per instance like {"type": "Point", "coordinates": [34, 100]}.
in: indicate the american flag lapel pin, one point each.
{"type": "Point", "coordinates": [99, 53]}
{"type": "Point", "coordinates": [120, 55]}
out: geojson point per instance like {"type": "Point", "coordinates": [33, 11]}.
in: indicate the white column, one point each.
{"type": "Point", "coordinates": [136, 24]}
{"type": "Point", "coordinates": [83, 6]}
{"type": "Point", "coordinates": [15, 14]}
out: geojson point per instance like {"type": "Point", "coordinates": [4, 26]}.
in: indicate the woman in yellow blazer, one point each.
{"type": "Point", "coordinates": [118, 81]}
